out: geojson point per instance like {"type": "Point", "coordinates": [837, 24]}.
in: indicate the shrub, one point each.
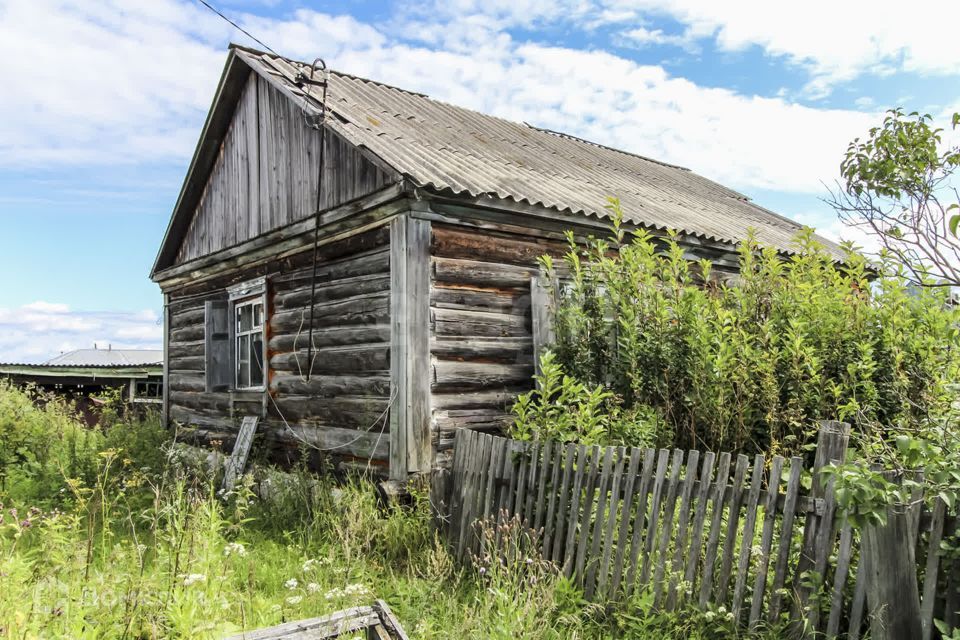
{"type": "Point", "coordinates": [682, 357]}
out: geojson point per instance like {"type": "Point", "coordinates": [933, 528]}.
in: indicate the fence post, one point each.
{"type": "Point", "coordinates": [818, 530]}
{"type": "Point", "coordinates": [893, 595]}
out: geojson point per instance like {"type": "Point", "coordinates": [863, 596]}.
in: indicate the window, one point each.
{"type": "Point", "coordinates": [147, 391]}
{"type": "Point", "coordinates": [234, 339]}
{"type": "Point", "coordinates": [248, 343]}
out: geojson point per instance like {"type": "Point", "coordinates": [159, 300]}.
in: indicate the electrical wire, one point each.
{"type": "Point", "coordinates": [239, 28]}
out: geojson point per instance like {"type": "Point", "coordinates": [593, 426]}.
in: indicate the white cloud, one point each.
{"type": "Point", "coordinates": [141, 75]}
{"type": "Point", "coordinates": [40, 330]}
{"type": "Point", "coordinates": [643, 37]}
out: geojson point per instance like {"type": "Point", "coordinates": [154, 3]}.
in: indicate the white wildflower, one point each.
{"type": "Point", "coordinates": [313, 587]}
{"type": "Point", "coordinates": [294, 599]}
{"type": "Point", "coordinates": [194, 578]}
{"type": "Point", "coordinates": [234, 549]}
{"type": "Point", "coordinates": [309, 565]}
{"type": "Point", "coordinates": [333, 594]}
{"type": "Point", "coordinates": [291, 583]}
{"type": "Point", "coordinates": [356, 590]}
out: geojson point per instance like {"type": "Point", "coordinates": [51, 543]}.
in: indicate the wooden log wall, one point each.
{"type": "Point", "coordinates": [481, 335]}
{"type": "Point", "coordinates": [266, 174]}
{"type": "Point", "coordinates": [341, 408]}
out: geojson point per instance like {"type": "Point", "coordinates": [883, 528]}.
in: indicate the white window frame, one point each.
{"type": "Point", "coordinates": [136, 398]}
{"type": "Point", "coordinates": [248, 294]}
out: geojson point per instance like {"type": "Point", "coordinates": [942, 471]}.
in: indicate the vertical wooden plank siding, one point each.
{"type": "Point", "coordinates": [165, 407]}
{"type": "Point", "coordinates": [411, 445]}
{"type": "Point", "coordinates": [265, 174]}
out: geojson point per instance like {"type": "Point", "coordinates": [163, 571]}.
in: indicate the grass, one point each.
{"type": "Point", "coordinates": [136, 544]}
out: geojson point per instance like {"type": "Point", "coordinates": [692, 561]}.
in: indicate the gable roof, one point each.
{"type": "Point", "coordinates": [455, 151]}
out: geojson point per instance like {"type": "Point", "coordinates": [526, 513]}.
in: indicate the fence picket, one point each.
{"type": "Point", "coordinates": [531, 487]}
{"type": "Point", "coordinates": [859, 601]}
{"type": "Point", "coordinates": [548, 451]}
{"type": "Point", "coordinates": [611, 525]}
{"type": "Point", "coordinates": [562, 517]}
{"type": "Point", "coordinates": [651, 546]}
{"type": "Point", "coordinates": [596, 539]}
{"type": "Point", "coordinates": [733, 523]}
{"type": "Point", "coordinates": [640, 520]}
{"type": "Point", "coordinates": [746, 545]}
{"type": "Point", "coordinates": [575, 510]}
{"type": "Point", "coordinates": [588, 505]}
{"type": "Point", "coordinates": [683, 518]}
{"type": "Point", "coordinates": [549, 531]}
{"type": "Point", "coordinates": [666, 527]}
{"type": "Point", "coordinates": [766, 539]}
{"type": "Point", "coordinates": [844, 554]}
{"type": "Point", "coordinates": [520, 489]}
{"type": "Point", "coordinates": [786, 537]}
{"type": "Point", "coordinates": [716, 518]}
{"type": "Point", "coordinates": [623, 539]}
{"type": "Point", "coordinates": [696, 533]}
{"type": "Point", "coordinates": [929, 593]}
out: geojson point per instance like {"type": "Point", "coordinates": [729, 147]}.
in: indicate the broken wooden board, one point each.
{"type": "Point", "coordinates": [376, 623]}
{"type": "Point", "coordinates": [237, 461]}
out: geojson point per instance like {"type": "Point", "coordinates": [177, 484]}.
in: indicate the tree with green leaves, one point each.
{"type": "Point", "coordinates": [899, 185]}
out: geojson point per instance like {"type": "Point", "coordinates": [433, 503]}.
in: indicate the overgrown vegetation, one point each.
{"type": "Point", "coordinates": [652, 349]}
{"type": "Point", "coordinates": [113, 532]}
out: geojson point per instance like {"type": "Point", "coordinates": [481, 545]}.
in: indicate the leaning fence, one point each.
{"type": "Point", "coordinates": [758, 536]}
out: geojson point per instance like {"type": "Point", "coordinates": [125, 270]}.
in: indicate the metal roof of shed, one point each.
{"type": "Point", "coordinates": [449, 149]}
{"type": "Point", "coordinates": [108, 358]}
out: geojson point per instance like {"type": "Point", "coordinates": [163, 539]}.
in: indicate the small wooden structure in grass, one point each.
{"type": "Point", "coordinates": [375, 622]}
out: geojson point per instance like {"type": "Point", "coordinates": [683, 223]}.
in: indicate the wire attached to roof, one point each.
{"type": "Point", "coordinates": [238, 27]}
{"type": "Point", "coordinates": [317, 122]}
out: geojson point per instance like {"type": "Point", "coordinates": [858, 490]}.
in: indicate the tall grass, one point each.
{"type": "Point", "coordinates": [133, 540]}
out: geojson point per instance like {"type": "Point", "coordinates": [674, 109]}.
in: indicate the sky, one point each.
{"type": "Point", "coordinates": [103, 102]}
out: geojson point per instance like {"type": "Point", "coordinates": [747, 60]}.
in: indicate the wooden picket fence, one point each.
{"type": "Point", "coordinates": [696, 528]}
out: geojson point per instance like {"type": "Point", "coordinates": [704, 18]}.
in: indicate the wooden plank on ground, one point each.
{"type": "Point", "coordinates": [237, 461]}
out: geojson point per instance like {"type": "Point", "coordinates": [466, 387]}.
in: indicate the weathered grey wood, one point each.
{"type": "Point", "coordinates": [541, 304]}
{"type": "Point", "coordinates": [165, 394]}
{"type": "Point", "coordinates": [626, 519]}
{"type": "Point", "coordinates": [562, 522]}
{"type": "Point", "coordinates": [486, 324]}
{"type": "Point", "coordinates": [699, 518]}
{"type": "Point", "coordinates": [411, 448]}
{"type": "Point", "coordinates": [669, 506]}
{"type": "Point", "coordinates": [611, 525]}
{"type": "Point", "coordinates": [733, 524]}
{"type": "Point", "coordinates": [786, 536]}
{"type": "Point", "coordinates": [951, 600]}
{"type": "Point", "coordinates": [683, 517]}
{"type": "Point", "coordinates": [893, 597]}
{"type": "Point", "coordinates": [520, 490]}
{"type": "Point", "coordinates": [489, 274]}
{"type": "Point", "coordinates": [716, 518]}
{"type": "Point", "coordinates": [649, 548]}
{"type": "Point", "coordinates": [859, 601]}
{"type": "Point", "coordinates": [746, 544]}
{"type": "Point", "coordinates": [932, 571]}
{"type": "Point", "coordinates": [449, 375]}
{"type": "Point", "coordinates": [844, 554]}
{"type": "Point", "coordinates": [766, 540]}
{"type": "Point", "coordinates": [587, 512]}
{"type": "Point", "coordinates": [818, 531]}
{"type": "Point", "coordinates": [503, 350]}
{"type": "Point", "coordinates": [540, 511]}
{"type": "Point", "coordinates": [550, 533]}
{"type": "Point", "coordinates": [237, 461]}
{"type": "Point", "coordinates": [574, 514]}
{"type": "Point", "coordinates": [606, 469]}
{"type": "Point", "coordinates": [536, 468]}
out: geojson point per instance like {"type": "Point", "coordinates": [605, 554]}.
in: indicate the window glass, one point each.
{"type": "Point", "coordinates": [248, 356]}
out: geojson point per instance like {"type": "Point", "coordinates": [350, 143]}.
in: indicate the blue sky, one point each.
{"type": "Point", "coordinates": [104, 101]}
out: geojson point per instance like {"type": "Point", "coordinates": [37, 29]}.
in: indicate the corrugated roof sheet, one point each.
{"type": "Point", "coordinates": [447, 148]}
{"type": "Point", "coordinates": [107, 358]}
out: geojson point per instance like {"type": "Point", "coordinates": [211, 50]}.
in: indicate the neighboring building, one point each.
{"type": "Point", "coordinates": [419, 262]}
{"type": "Point", "coordinates": [84, 374]}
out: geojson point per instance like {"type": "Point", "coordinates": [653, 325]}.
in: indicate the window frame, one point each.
{"type": "Point", "coordinates": [135, 397]}
{"type": "Point", "coordinates": [250, 293]}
